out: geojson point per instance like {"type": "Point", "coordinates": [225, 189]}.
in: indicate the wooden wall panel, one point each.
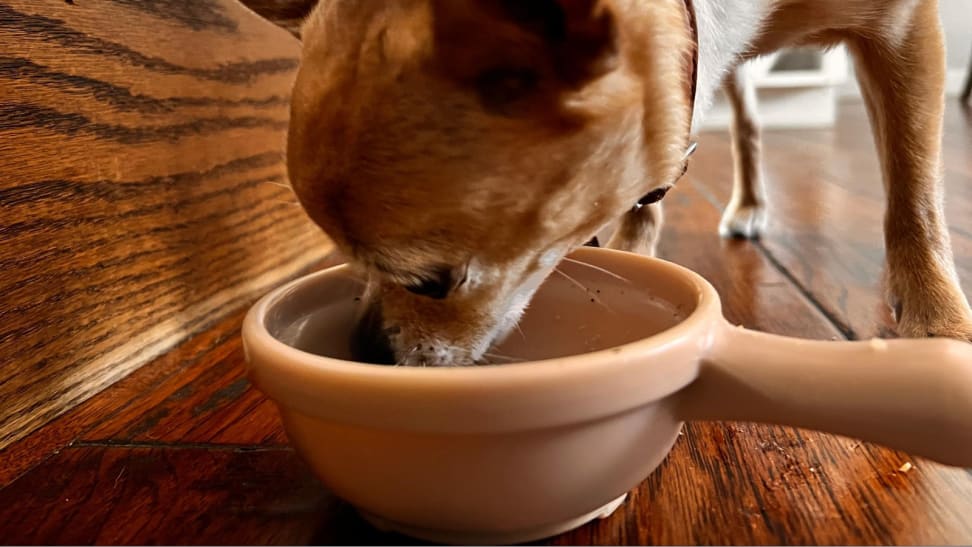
{"type": "Point", "coordinates": [142, 190]}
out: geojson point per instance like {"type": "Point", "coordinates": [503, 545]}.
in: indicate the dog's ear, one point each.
{"type": "Point", "coordinates": [288, 14]}
{"type": "Point", "coordinates": [575, 40]}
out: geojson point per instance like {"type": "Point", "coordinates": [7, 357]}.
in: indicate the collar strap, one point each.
{"type": "Point", "coordinates": [692, 74]}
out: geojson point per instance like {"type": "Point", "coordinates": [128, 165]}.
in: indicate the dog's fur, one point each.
{"type": "Point", "coordinates": [458, 149]}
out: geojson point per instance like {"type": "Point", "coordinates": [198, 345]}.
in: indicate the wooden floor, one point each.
{"type": "Point", "coordinates": [185, 451]}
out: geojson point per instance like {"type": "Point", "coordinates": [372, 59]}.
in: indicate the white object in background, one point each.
{"type": "Point", "coordinates": [796, 89]}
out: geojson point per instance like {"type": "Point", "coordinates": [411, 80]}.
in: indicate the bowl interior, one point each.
{"type": "Point", "coordinates": [595, 300]}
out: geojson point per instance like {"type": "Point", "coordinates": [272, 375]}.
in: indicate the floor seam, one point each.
{"type": "Point", "coordinates": [845, 330]}
{"type": "Point", "coordinates": [109, 443]}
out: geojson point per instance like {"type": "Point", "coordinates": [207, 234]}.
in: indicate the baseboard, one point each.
{"type": "Point", "coordinates": [804, 108]}
{"type": "Point", "coordinates": [954, 80]}
{"type": "Point", "coordinates": [782, 108]}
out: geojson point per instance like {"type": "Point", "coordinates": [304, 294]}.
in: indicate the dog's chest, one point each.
{"type": "Point", "coordinates": [726, 28]}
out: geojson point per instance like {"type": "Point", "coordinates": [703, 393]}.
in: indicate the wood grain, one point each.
{"type": "Point", "coordinates": [99, 495]}
{"type": "Point", "coordinates": [138, 407]}
{"type": "Point", "coordinates": [738, 484]}
{"type": "Point", "coordinates": [209, 401]}
{"type": "Point", "coordinates": [128, 398]}
{"type": "Point", "coordinates": [150, 496]}
{"type": "Point", "coordinates": [140, 188]}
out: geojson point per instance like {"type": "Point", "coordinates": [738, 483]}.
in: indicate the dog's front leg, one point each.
{"type": "Point", "coordinates": [745, 215]}
{"type": "Point", "coordinates": [639, 230]}
{"type": "Point", "coordinates": [902, 77]}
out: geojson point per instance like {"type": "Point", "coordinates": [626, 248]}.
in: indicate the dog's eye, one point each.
{"type": "Point", "coordinates": [501, 86]}
{"type": "Point", "coordinates": [438, 285]}
{"type": "Point", "coordinates": [430, 287]}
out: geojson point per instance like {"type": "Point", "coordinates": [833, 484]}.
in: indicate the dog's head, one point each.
{"type": "Point", "coordinates": [456, 150]}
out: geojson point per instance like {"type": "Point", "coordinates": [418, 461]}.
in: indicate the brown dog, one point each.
{"type": "Point", "coordinates": [458, 149]}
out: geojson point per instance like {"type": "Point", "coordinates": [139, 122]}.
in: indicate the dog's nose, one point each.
{"type": "Point", "coordinates": [369, 341]}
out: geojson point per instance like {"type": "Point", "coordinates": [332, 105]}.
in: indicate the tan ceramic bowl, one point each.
{"type": "Point", "coordinates": [517, 452]}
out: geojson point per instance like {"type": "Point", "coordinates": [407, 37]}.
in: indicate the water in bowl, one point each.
{"type": "Point", "coordinates": [580, 312]}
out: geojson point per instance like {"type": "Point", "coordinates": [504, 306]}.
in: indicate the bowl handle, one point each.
{"type": "Point", "coordinates": [911, 395]}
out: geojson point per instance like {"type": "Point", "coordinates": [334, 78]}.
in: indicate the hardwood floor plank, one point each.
{"type": "Point", "coordinates": [100, 495]}
{"type": "Point", "coordinates": [754, 293]}
{"type": "Point", "coordinates": [826, 209]}
{"type": "Point", "coordinates": [210, 402]}
{"type": "Point", "coordinates": [126, 398]}
{"type": "Point", "coordinates": [727, 483]}
{"type": "Point", "coordinates": [130, 404]}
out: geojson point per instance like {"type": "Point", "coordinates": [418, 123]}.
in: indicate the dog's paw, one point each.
{"type": "Point", "coordinates": [647, 247]}
{"type": "Point", "coordinates": [934, 324]}
{"type": "Point", "coordinates": [957, 331]}
{"type": "Point", "coordinates": [638, 231]}
{"type": "Point", "coordinates": [743, 221]}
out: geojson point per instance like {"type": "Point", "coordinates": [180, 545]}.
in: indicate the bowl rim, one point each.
{"type": "Point", "coordinates": [698, 323]}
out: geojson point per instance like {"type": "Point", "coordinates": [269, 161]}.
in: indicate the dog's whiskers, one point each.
{"type": "Point", "coordinates": [285, 202]}
{"type": "Point", "coordinates": [584, 288]}
{"type": "Point", "coordinates": [573, 281]}
{"type": "Point", "coordinates": [409, 353]}
{"type": "Point", "coordinates": [280, 184]}
{"type": "Point", "coordinates": [495, 356]}
{"type": "Point", "coordinates": [598, 268]}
